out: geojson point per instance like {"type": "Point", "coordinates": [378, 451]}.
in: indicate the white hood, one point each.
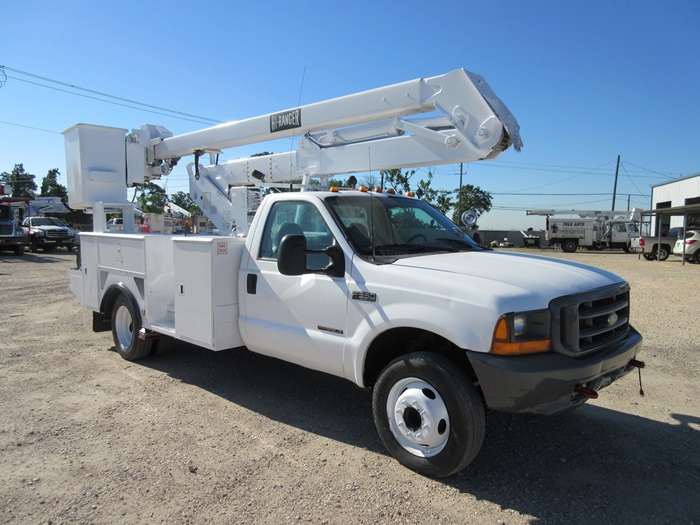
{"type": "Point", "coordinates": [512, 276]}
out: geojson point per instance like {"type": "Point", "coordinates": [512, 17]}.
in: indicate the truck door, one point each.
{"type": "Point", "coordinates": [301, 319]}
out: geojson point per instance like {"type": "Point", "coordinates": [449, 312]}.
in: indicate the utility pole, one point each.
{"type": "Point", "coordinates": [617, 170]}
{"type": "Point", "coordinates": [459, 195]}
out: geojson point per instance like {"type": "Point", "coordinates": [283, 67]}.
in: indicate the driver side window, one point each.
{"type": "Point", "coordinates": [300, 218]}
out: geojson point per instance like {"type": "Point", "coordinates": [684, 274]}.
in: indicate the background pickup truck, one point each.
{"type": "Point", "coordinates": [653, 247]}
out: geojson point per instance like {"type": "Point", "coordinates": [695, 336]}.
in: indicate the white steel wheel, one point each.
{"type": "Point", "coordinates": [126, 324]}
{"type": "Point", "coordinates": [428, 414]}
{"type": "Point", "coordinates": [420, 421]}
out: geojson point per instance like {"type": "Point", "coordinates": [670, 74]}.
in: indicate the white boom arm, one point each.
{"type": "Point", "coordinates": [360, 132]}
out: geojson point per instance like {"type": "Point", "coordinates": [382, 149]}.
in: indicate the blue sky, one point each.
{"type": "Point", "coordinates": [587, 81]}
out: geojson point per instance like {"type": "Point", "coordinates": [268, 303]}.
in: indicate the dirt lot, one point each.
{"type": "Point", "coordinates": [231, 437]}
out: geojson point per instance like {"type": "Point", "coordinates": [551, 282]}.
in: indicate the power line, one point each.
{"type": "Point", "coordinates": [565, 194]}
{"type": "Point", "coordinates": [129, 103]}
{"type": "Point", "coordinates": [28, 127]}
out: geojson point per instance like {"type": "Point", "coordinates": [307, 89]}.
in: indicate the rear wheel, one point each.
{"type": "Point", "coordinates": [126, 324]}
{"type": "Point", "coordinates": [649, 256]}
{"type": "Point", "coordinates": [569, 246]}
{"type": "Point", "coordinates": [428, 414]}
{"type": "Point", "coordinates": [162, 345]}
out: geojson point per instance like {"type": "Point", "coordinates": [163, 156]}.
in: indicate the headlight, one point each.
{"type": "Point", "coordinates": [522, 333]}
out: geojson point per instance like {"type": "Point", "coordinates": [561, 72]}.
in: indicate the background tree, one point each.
{"type": "Point", "coordinates": [22, 183]}
{"type": "Point", "coordinates": [151, 198]}
{"type": "Point", "coordinates": [443, 202]}
{"type": "Point", "coordinates": [471, 198]}
{"type": "Point", "coordinates": [370, 181]}
{"type": "Point", "coordinates": [50, 186]}
{"type": "Point", "coordinates": [425, 191]}
{"type": "Point", "coordinates": [184, 200]}
{"type": "Point", "coordinates": [398, 180]}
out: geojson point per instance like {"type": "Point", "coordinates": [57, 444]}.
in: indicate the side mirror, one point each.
{"type": "Point", "coordinates": [292, 252]}
{"type": "Point", "coordinates": [291, 255]}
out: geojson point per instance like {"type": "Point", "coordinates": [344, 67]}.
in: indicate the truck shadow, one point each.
{"type": "Point", "coordinates": [593, 461]}
{"type": "Point", "coordinates": [36, 258]}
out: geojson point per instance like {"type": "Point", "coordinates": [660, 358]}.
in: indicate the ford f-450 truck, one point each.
{"type": "Point", "coordinates": [374, 287]}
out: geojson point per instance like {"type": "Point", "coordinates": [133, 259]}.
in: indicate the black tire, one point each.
{"type": "Point", "coordinates": [696, 257]}
{"type": "Point", "coordinates": [33, 248]}
{"type": "Point", "coordinates": [126, 324]}
{"type": "Point", "coordinates": [569, 246]}
{"type": "Point", "coordinates": [48, 249]}
{"type": "Point", "coordinates": [19, 250]}
{"type": "Point", "coordinates": [451, 414]}
{"type": "Point", "coordinates": [663, 253]}
{"type": "Point", "coordinates": [649, 256]}
{"type": "Point", "coordinates": [162, 345]}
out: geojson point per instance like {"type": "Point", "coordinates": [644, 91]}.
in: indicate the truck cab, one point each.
{"type": "Point", "coordinates": [13, 236]}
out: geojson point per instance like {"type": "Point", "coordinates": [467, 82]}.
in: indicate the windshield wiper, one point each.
{"type": "Point", "coordinates": [463, 245]}
{"type": "Point", "coordinates": [403, 248]}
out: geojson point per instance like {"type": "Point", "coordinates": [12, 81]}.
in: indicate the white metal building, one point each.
{"type": "Point", "coordinates": [675, 202]}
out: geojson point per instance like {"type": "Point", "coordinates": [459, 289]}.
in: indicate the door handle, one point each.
{"type": "Point", "coordinates": [251, 283]}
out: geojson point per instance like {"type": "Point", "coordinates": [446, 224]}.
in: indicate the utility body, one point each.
{"type": "Point", "coordinates": [377, 288]}
{"type": "Point", "coordinates": [593, 230]}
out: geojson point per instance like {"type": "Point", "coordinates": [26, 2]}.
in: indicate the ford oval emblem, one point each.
{"type": "Point", "coordinates": [612, 319]}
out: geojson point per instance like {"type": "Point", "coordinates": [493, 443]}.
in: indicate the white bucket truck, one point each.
{"type": "Point", "coordinates": [590, 229]}
{"type": "Point", "coordinates": [377, 288]}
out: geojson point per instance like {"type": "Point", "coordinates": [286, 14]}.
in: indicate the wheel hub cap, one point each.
{"type": "Point", "coordinates": [418, 417]}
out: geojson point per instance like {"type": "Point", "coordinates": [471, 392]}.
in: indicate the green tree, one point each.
{"type": "Point", "coordinates": [471, 198]}
{"type": "Point", "coordinates": [50, 186]}
{"type": "Point", "coordinates": [184, 200]}
{"type": "Point", "coordinates": [398, 180]}
{"type": "Point", "coordinates": [425, 191]}
{"type": "Point", "coordinates": [22, 183]}
{"type": "Point", "coordinates": [443, 202]}
{"type": "Point", "coordinates": [151, 198]}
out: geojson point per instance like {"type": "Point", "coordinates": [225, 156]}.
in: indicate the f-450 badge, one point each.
{"type": "Point", "coordinates": [364, 296]}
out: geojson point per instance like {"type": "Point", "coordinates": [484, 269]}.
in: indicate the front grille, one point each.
{"type": "Point", "coordinates": [57, 234]}
{"type": "Point", "coordinates": [585, 323]}
{"type": "Point", "coordinates": [7, 229]}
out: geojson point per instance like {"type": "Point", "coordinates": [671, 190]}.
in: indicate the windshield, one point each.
{"type": "Point", "coordinates": [381, 226]}
{"type": "Point", "coordinates": [47, 221]}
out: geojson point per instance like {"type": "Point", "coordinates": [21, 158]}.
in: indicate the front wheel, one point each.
{"type": "Point", "coordinates": [663, 253]}
{"type": "Point", "coordinates": [428, 414]}
{"type": "Point", "coordinates": [649, 256]}
{"type": "Point", "coordinates": [126, 324]}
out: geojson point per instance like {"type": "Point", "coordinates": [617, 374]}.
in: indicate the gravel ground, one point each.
{"type": "Point", "coordinates": [232, 437]}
